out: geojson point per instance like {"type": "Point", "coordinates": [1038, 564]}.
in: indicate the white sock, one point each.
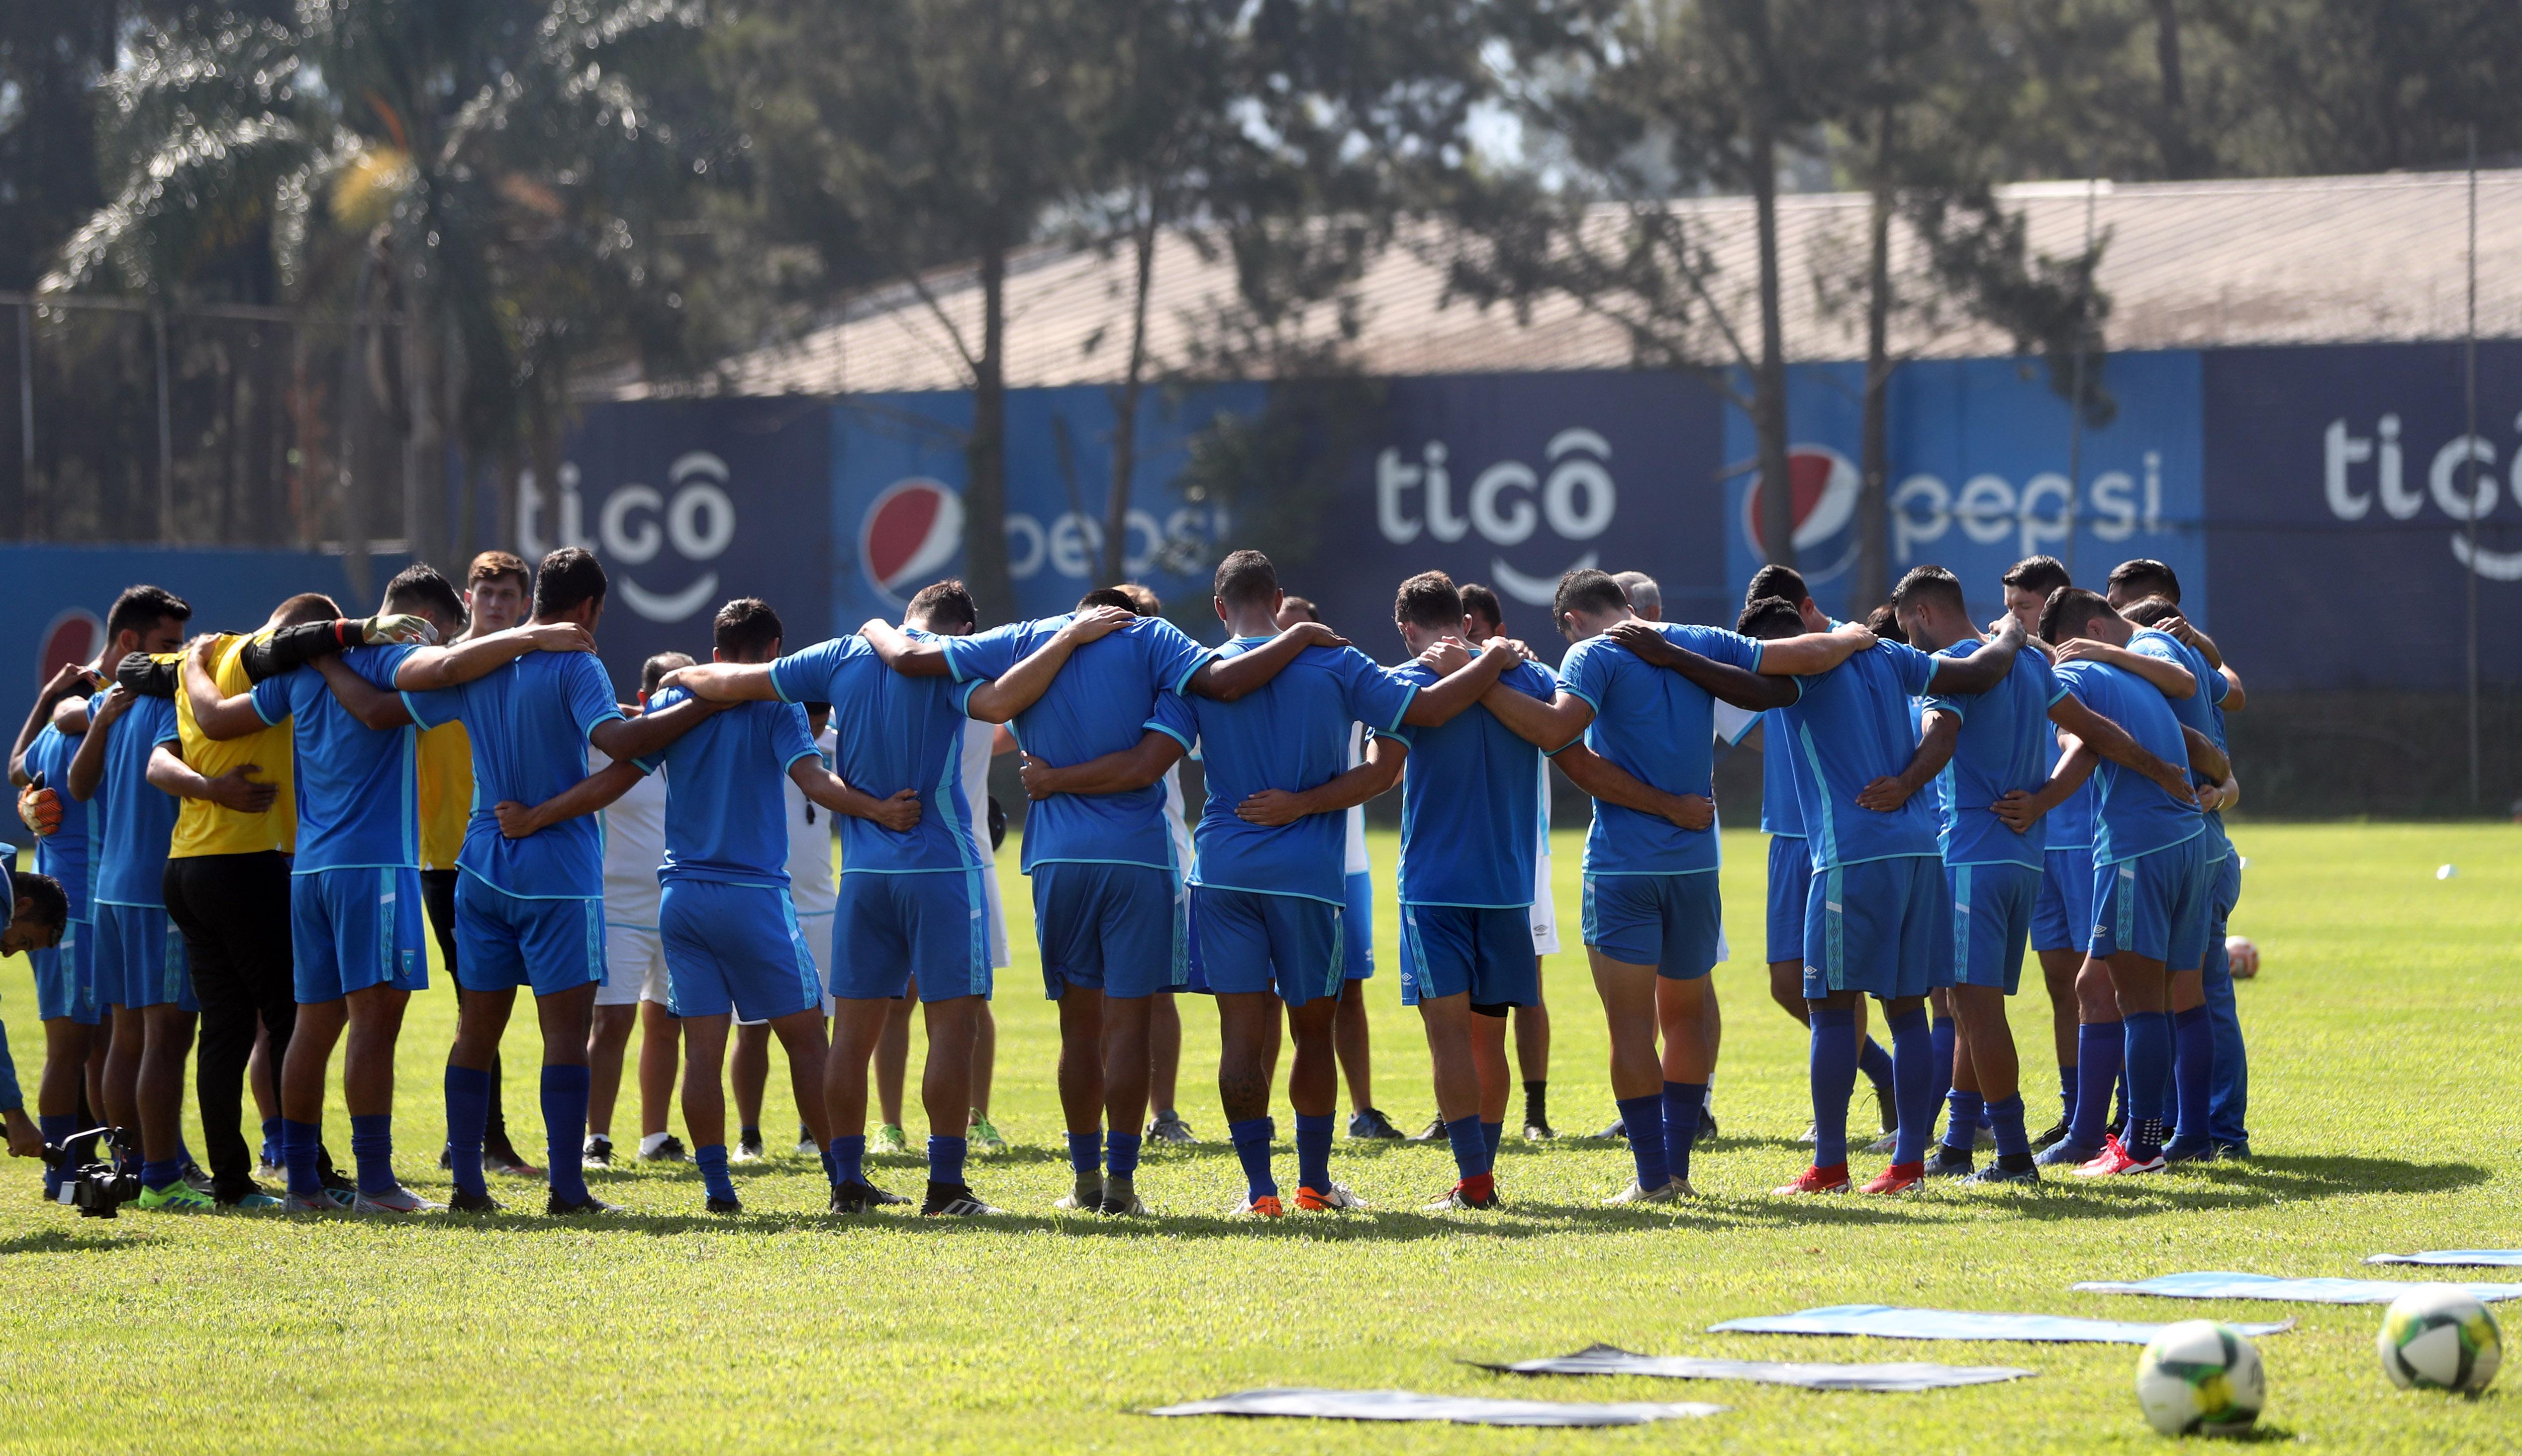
{"type": "Point", "coordinates": [652, 1143]}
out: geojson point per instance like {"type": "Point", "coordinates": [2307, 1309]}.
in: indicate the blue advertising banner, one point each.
{"type": "Point", "coordinates": [1979, 460]}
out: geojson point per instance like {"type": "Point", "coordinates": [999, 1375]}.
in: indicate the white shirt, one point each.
{"type": "Point", "coordinates": [634, 847]}
{"type": "Point", "coordinates": [810, 842]}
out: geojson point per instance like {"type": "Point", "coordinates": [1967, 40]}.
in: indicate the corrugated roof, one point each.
{"type": "Point", "coordinates": [2188, 264]}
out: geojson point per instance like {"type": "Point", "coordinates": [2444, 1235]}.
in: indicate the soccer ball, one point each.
{"type": "Point", "coordinates": [2244, 956]}
{"type": "Point", "coordinates": [2438, 1338]}
{"type": "Point", "coordinates": [2200, 1377]}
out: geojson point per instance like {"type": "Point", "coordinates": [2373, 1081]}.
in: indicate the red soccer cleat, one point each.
{"type": "Point", "coordinates": [1830, 1179]}
{"type": "Point", "coordinates": [2116, 1161]}
{"type": "Point", "coordinates": [1900, 1178]}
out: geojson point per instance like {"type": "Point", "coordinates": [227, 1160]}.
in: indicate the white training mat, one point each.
{"type": "Point", "coordinates": [1460, 1410]}
{"type": "Point", "coordinates": [2289, 1291]}
{"type": "Point", "coordinates": [1894, 1322]}
{"type": "Point", "coordinates": [1604, 1359]}
{"type": "Point", "coordinates": [2455, 1258]}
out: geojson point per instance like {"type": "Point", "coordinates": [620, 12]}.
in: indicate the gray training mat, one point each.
{"type": "Point", "coordinates": [2288, 1290]}
{"type": "Point", "coordinates": [1894, 1322]}
{"type": "Point", "coordinates": [1604, 1359]}
{"type": "Point", "coordinates": [2455, 1258]}
{"type": "Point", "coordinates": [1461, 1410]}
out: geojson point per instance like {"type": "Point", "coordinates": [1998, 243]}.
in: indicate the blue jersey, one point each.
{"type": "Point", "coordinates": [1781, 813]}
{"type": "Point", "coordinates": [529, 721]}
{"type": "Point", "coordinates": [1661, 727]}
{"type": "Point", "coordinates": [139, 817]}
{"type": "Point", "coordinates": [893, 732]}
{"type": "Point", "coordinates": [2005, 743]}
{"type": "Point", "coordinates": [358, 793]}
{"type": "Point", "coordinates": [1470, 793]}
{"type": "Point", "coordinates": [64, 853]}
{"type": "Point", "coordinates": [726, 791]}
{"type": "Point", "coordinates": [2203, 709]}
{"type": "Point", "coordinates": [1850, 726]}
{"type": "Point", "coordinates": [1105, 700]}
{"type": "Point", "coordinates": [1292, 735]}
{"type": "Point", "coordinates": [2132, 815]}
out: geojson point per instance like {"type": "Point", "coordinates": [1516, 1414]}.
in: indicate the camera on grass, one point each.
{"type": "Point", "coordinates": [96, 1189]}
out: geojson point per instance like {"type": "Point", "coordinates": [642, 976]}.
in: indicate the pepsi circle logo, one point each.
{"type": "Point", "coordinates": [1821, 490]}
{"type": "Point", "coordinates": [911, 529]}
{"type": "Point", "coordinates": [72, 636]}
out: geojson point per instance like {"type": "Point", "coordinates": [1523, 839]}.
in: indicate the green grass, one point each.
{"type": "Point", "coordinates": [2382, 1029]}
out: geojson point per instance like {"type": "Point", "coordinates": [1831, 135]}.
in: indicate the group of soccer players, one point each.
{"type": "Point", "coordinates": [243, 832]}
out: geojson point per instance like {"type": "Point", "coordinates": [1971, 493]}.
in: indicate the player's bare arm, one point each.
{"type": "Point", "coordinates": [446, 666]}
{"type": "Point", "coordinates": [1439, 701]}
{"type": "Point", "coordinates": [73, 678]}
{"type": "Point", "coordinates": [87, 765]}
{"type": "Point", "coordinates": [2170, 678]}
{"type": "Point", "coordinates": [1813, 652]}
{"type": "Point", "coordinates": [1611, 783]}
{"type": "Point", "coordinates": [2187, 630]}
{"type": "Point", "coordinates": [1133, 767]}
{"type": "Point", "coordinates": [1274, 807]}
{"type": "Point", "coordinates": [1935, 750]}
{"type": "Point", "coordinates": [235, 789]}
{"type": "Point", "coordinates": [1984, 667]}
{"type": "Point", "coordinates": [371, 705]}
{"type": "Point", "coordinates": [1022, 686]}
{"type": "Point", "coordinates": [2021, 810]}
{"type": "Point", "coordinates": [895, 648]}
{"type": "Point", "coordinates": [2113, 742]}
{"type": "Point", "coordinates": [726, 681]}
{"type": "Point", "coordinates": [1227, 678]}
{"type": "Point", "coordinates": [651, 732]}
{"type": "Point", "coordinates": [595, 791]}
{"type": "Point", "coordinates": [2206, 759]}
{"type": "Point", "coordinates": [1547, 725]}
{"type": "Point", "coordinates": [219, 718]}
{"type": "Point", "coordinates": [1724, 681]}
{"type": "Point", "coordinates": [899, 813]}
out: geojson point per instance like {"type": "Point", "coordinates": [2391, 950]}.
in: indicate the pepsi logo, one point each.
{"type": "Point", "coordinates": [72, 636]}
{"type": "Point", "coordinates": [1822, 487]}
{"type": "Point", "coordinates": [911, 529]}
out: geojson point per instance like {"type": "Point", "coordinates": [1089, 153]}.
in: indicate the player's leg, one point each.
{"type": "Point", "coordinates": [1905, 917]}
{"type": "Point", "coordinates": [263, 1082]}
{"type": "Point", "coordinates": [891, 1071]}
{"type": "Point", "coordinates": [705, 1104]}
{"type": "Point", "coordinates": [1623, 920]}
{"type": "Point", "coordinates": [2193, 1045]}
{"type": "Point", "coordinates": [802, 1037]}
{"type": "Point", "coordinates": [1081, 1086]}
{"type": "Point", "coordinates": [627, 952]}
{"type": "Point", "coordinates": [2228, 1097]}
{"type": "Point", "coordinates": [945, 1096]}
{"type": "Point", "coordinates": [1496, 1074]}
{"type": "Point", "coordinates": [303, 1073]}
{"type": "Point", "coordinates": [375, 1017]}
{"type": "Point", "coordinates": [1988, 972]}
{"type": "Point", "coordinates": [1234, 968]}
{"type": "Point", "coordinates": [158, 1094]}
{"type": "Point", "coordinates": [1532, 1059]}
{"type": "Point", "coordinates": [1164, 1068]}
{"type": "Point", "coordinates": [2062, 921]}
{"type": "Point", "coordinates": [748, 1078]}
{"type": "Point", "coordinates": [1942, 1035]}
{"type": "Point", "coordinates": [1438, 950]}
{"type": "Point", "coordinates": [1305, 951]}
{"type": "Point", "coordinates": [661, 1051]}
{"type": "Point", "coordinates": [489, 967]}
{"type": "Point", "coordinates": [1125, 1097]}
{"type": "Point", "coordinates": [1351, 1041]}
{"type": "Point", "coordinates": [438, 892]}
{"type": "Point", "coordinates": [1693, 916]}
{"type": "Point", "coordinates": [56, 1095]}
{"type": "Point", "coordinates": [565, 1016]}
{"type": "Point", "coordinates": [985, 1071]}
{"type": "Point", "coordinates": [858, 1024]}
{"type": "Point", "coordinates": [944, 928]}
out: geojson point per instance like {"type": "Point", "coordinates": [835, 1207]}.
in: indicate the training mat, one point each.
{"type": "Point", "coordinates": [2455, 1258]}
{"type": "Point", "coordinates": [1604, 1359]}
{"type": "Point", "coordinates": [2290, 1291]}
{"type": "Point", "coordinates": [1461, 1410]}
{"type": "Point", "coordinates": [1893, 1321]}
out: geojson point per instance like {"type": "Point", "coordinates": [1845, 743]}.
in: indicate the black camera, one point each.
{"type": "Point", "coordinates": [96, 1189]}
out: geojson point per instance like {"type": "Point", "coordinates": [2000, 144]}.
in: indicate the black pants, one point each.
{"type": "Point", "coordinates": [233, 910]}
{"type": "Point", "coordinates": [438, 892]}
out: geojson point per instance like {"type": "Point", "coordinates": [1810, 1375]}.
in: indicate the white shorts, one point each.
{"type": "Point", "coordinates": [1545, 911]}
{"type": "Point", "coordinates": [635, 967]}
{"type": "Point", "coordinates": [817, 930]}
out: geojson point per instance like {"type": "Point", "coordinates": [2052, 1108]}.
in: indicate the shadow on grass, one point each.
{"type": "Point", "coordinates": [86, 1236]}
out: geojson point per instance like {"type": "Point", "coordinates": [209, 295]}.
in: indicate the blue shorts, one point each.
{"type": "Point", "coordinates": [1114, 929]}
{"type": "Point", "coordinates": [1287, 944]}
{"type": "Point", "coordinates": [65, 978]}
{"type": "Point", "coordinates": [1669, 922]}
{"type": "Point", "coordinates": [889, 928]}
{"type": "Point", "coordinates": [1447, 950]}
{"type": "Point", "coordinates": [504, 941]}
{"type": "Point", "coordinates": [1357, 928]}
{"type": "Point", "coordinates": [1790, 881]}
{"type": "Point", "coordinates": [736, 948]}
{"type": "Point", "coordinates": [140, 960]}
{"type": "Point", "coordinates": [1992, 919]}
{"type": "Point", "coordinates": [1882, 927]}
{"type": "Point", "coordinates": [2223, 892]}
{"type": "Point", "coordinates": [2154, 906]}
{"type": "Point", "coordinates": [2062, 919]}
{"type": "Point", "coordinates": [351, 929]}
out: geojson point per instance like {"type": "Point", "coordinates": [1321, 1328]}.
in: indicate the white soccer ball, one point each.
{"type": "Point", "coordinates": [2244, 955]}
{"type": "Point", "coordinates": [2437, 1337]}
{"type": "Point", "coordinates": [2200, 1377]}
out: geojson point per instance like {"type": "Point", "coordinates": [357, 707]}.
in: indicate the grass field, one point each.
{"type": "Point", "coordinates": [2382, 1026]}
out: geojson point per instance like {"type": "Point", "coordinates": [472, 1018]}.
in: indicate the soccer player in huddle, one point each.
{"type": "Point", "coordinates": [2062, 916]}
{"type": "Point", "coordinates": [634, 994]}
{"type": "Point", "coordinates": [1483, 618]}
{"type": "Point", "coordinates": [39, 911]}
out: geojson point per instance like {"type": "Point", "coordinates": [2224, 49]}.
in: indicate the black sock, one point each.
{"type": "Point", "coordinates": [750, 1133]}
{"type": "Point", "coordinates": [2145, 1142]}
{"type": "Point", "coordinates": [1536, 1103]}
{"type": "Point", "coordinates": [2015, 1163]}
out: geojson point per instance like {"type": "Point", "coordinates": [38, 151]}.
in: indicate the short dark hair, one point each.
{"type": "Point", "coordinates": [1302, 606]}
{"type": "Point", "coordinates": [746, 629]}
{"type": "Point", "coordinates": [1782, 582]}
{"type": "Point", "coordinates": [1428, 599]}
{"type": "Point", "coordinates": [1929, 584]}
{"type": "Point", "coordinates": [1142, 600]}
{"type": "Point", "coordinates": [140, 608]}
{"type": "Point", "coordinates": [1770, 617]}
{"type": "Point", "coordinates": [421, 588]}
{"type": "Point", "coordinates": [1586, 590]}
{"type": "Point", "coordinates": [1884, 623]}
{"type": "Point", "coordinates": [944, 604]}
{"type": "Point", "coordinates": [1109, 596]}
{"type": "Point", "coordinates": [2069, 611]}
{"type": "Point", "coordinates": [305, 607]}
{"type": "Point", "coordinates": [52, 903]}
{"type": "Point", "coordinates": [2037, 575]}
{"type": "Point", "coordinates": [2151, 611]}
{"type": "Point", "coordinates": [491, 566]}
{"type": "Point", "coordinates": [1245, 578]}
{"type": "Point", "coordinates": [2146, 577]}
{"type": "Point", "coordinates": [568, 578]}
{"type": "Point", "coordinates": [1481, 601]}
{"type": "Point", "coordinates": [654, 670]}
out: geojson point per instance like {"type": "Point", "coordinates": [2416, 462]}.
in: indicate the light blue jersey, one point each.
{"type": "Point", "coordinates": [1781, 815]}
{"type": "Point", "coordinates": [139, 817]}
{"type": "Point", "coordinates": [1292, 735]}
{"type": "Point", "coordinates": [1469, 796]}
{"type": "Point", "coordinates": [64, 854]}
{"type": "Point", "coordinates": [1103, 700]}
{"type": "Point", "coordinates": [892, 734]}
{"type": "Point", "coordinates": [1851, 725]}
{"type": "Point", "coordinates": [727, 799]}
{"type": "Point", "coordinates": [2005, 743]}
{"type": "Point", "coordinates": [359, 796]}
{"type": "Point", "coordinates": [2203, 709]}
{"type": "Point", "coordinates": [1661, 727]}
{"type": "Point", "coordinates": [529, 721]}
{"type": "Point", "coordinates": [2132, 815]}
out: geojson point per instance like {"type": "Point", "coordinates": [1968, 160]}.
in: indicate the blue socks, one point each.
{"type": "Point", "coordinates": [1491, 1134]}
{"type": "Point", "coordinates": [1252, 1138]}
{"type": "Point", "coordinates": [1681, 1103]}
{"type": "Point", "coordinates": [1942, 1037]}
{"type": "Point", "coordinates": [272, 1143]}
{"type": "Point", "coordinates": [2149, 1061]}
{"type": "Point", "coordinates": [848, 1160]}
{"type": "Point", "coordinates": [1085, 1152]}
{"type": "Point", "coordinates": [711, 1158]}
{"type": "Point", "coordinates": [1121, 1151]}
{"type": "Point", "coordinates": [57, 1130]}
{"type": "Point", "coordinates": [2193, 1071]}
{"type": "Point", "coordinates": [1314, 1151]}
{"type": "Point", "coordinates": [2012, 1142]}
{"type": "Point", "coordinates": [1470, 1149]}
{"type": "Point", "coordinates": [565, 1129]}
{"type": "Point", "coordinates": [372, 1145]}
{"type": "Point", "coordinates": [1834, 1081]}
{"type": "Point", "coordinates": [1961, 1124]}
{"type": "Point", "coordinates": [158, 1176]}
{"type": "Point", "coordinates": [2099, 1047]}
{"type": "Point", "coordinates": [945, 1158]}
{"type": "Point", "coordinates": [468, 1113]}
{"type": "Point", "coordinates": [1643, 1116]}
{"type": "Point", "coordinates": [299, 1151]}
{"type": "Point", "coordinates": [2067, 1092]}
{"type": "Point", "coordinates": [1873, 1062]}
{"type": "Point", "coordinates": [1913, 1084]}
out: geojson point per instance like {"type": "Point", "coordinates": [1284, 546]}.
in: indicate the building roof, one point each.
{"type": "Point", "coordinates": [2186, 265]}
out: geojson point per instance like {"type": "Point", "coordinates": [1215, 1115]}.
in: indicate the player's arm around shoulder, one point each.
{"type": "Point", "coordinates": [1132, 768]}
{"type": "Point", "coordinates": [899, 814]}
{"type": "Point", "coordinates": [2113, 742]}
{"type": "Point", "coordinates": [1981, 669]}
{"type": "Point", "coordinates": [1273, 808]}
{"type": "Point", "coordinates": [1610, 784]}
{"type": "Point", "coordinates": [595, 791]}
{"type": "Point", "coordinates": [1811, 655]}
{"type": "Point", "coordinates": [1228, 677]}
{"type": "Point", "coordinates": [218, 716]}
{"type": "Point", "coordinates": [1738, 683]}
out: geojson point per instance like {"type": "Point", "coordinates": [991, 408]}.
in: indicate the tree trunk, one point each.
{"type": "Point", "coordinates": [2181, 157]}
{"type": "Point", "coordinates": [1873, 500]}
{"type": "Point", "coordinates": [1769, 382]}
{"type": "Point", "coordinates": [424, 441]}
{"type": "Point", "coordinates": [985, 490]}
{"type": "Point", "coordinates": [1125, 403]}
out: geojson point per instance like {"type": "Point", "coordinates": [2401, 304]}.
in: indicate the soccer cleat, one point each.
{"type": "Point", "coordinates": [669, 1151]}
{"type": "Point", "coordinates": [1121, 1201]}
{"type": "Point", "coordinates": [399, 1201]}
{"type": "Point", "coordinates": [1539, 1132]}
{"type": "Point", "coordinates": [1944, 1160]}
{"type": "Point", "coordinates": [1617, 1132]}
{"type": "Point", "coordinates": [861, 1198]}
{"type": "Point", "coordinates": [1462, 1198]}
{"type": "Point", "coordinates": [953, 1201]}
{"type": "Point", "coordinates": [2232, 1153]}
{"type": "Point", "coordinates": [1673, 1188]}
{"type": "Point", "coordinates": [2000, 1173]}
{"type": "Point", "coordinates": [2200, 1151]}
{"type": "Point", "coordinates": [1900, 1178]}
{"type": "Point", "coordinates": [1433, 1132]}
{"type": "Point", "coordinates": [556, 1206]}
{"type": "Point", "coordinates": [1169, 1127]}
{"type": "Point", "coordinates": [303, 1203]}
{"type": "Point", "coordinates": [1886, 1109]}
{"type": "Point", "coordinates": [1370, 1125]}
{"type": "Point", "coordinates": [1810, 1134]}
{"type": "Point", "coordinates": [2116, 1163]}
{"type": "Point", "coordinates": [985, 1136]}
{"type": "Point", "coordinates": [1883, 1144]}
{"type": "Point", "coordinates": [1984, 1138]}
{"type": "Point", "coordinates": [256, 1201]}
{"type": "Point", "coordinates": [717, 1205]}
{"type": "Point", "coordinates": [268, 1169]}
{"type": "Point", "coordinates": [1334, 1199]}
{"type": "Point", "coordinates": [178, 1196]}
{"type": "Point", "coordinates": [1707, 1126]}
{"type": "Point", "coordinates": [747, 1149]}
{"type": "Point", "coordinates": [501, 1158]}
{"type": "Point", "coordinates": [2057, 1133]}
{"type": "Point", "coordinates": [2065, 1154]}
{"type": "Point", "coordinates": [805, 1142]}
{"type": "Point", "coordinates": [597, 1153]}
{"type": "Point", "coordinates": [1086, 1197]}
{"type": "Point", "coordinates": [460, 1201]}
{"type": "Point", "coordinates": [1830, 1179]}
{"type": "Point", "coordinates": [889, 1139]}
{"type": "Point", "coordinates": [1264, 1207]}
{"type": "Point", "coordinates": [197, 1178]}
